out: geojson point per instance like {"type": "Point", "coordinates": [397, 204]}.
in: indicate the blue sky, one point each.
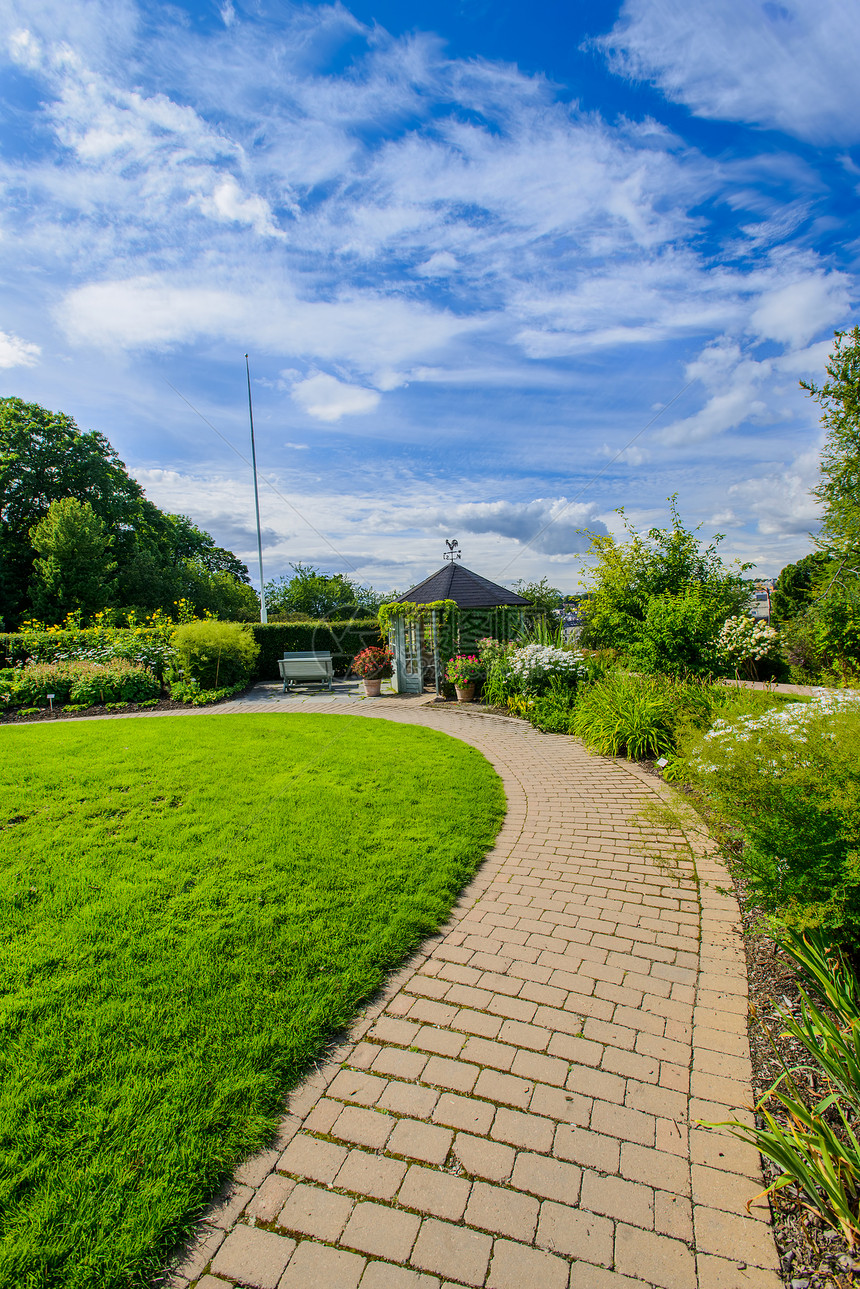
{"type": "Point", "coordinates": [500, 268]}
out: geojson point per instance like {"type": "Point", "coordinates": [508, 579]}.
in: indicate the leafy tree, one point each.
{"type": "Point", "coordinates": [312, 594]}
{"type": "Point", "coordinates": [75, 570]}
{"type": "Point", "coordinates": [44, 457]}
{"type": "Point", "coordinates": [544, 597]}
{"type": "Point", "coordinates": [796, 585]}
{"type": "Point", "coordinates": [160, 558]}
{"type": "Point", "coordinates": [670, 565]}
{"type": "Point", "coordinates": [839, 489]}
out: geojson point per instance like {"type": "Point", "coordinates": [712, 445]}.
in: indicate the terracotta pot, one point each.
{"type": "Point", "coordinates": [372, 688]}
{"type": "Point", "coordinates": [465, 693]}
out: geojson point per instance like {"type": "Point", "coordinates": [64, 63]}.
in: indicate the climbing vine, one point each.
{"type": "Point", "coordinates": [413, 612]}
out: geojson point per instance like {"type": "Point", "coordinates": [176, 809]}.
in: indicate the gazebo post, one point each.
{"type": "Point", "coordinates": [435, 630]}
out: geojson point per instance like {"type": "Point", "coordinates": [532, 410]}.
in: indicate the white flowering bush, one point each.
{"type": "Point", "coordinates": [743, 643]}
{"type": "Point", "coordinates": [533, 666]}
{"type": "Point", "coordinates": [788, 779]}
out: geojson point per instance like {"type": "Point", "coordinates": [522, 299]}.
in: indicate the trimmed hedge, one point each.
{"type": "Point", "coordinates": [343, 639]}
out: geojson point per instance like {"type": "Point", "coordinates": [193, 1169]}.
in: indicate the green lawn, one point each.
{"type": "Point", "coordinates": [188, 908]}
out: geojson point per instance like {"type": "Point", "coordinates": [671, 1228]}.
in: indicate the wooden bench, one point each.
{"type": "Point", "coordinates": [306, 667]}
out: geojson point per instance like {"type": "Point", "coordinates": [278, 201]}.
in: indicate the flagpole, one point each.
{"type": "Point", "coordinates": [263, 616]}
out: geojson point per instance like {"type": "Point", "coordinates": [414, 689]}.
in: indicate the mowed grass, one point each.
{"type": "Point", "coordinates": [189, 907]}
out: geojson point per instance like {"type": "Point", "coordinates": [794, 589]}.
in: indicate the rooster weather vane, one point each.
{"type": "Point", "coordinates": [453, 549]}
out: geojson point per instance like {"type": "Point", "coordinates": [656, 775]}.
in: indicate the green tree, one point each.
{"type": "Point", "coordinates": [312, 594]}
{"type": "Point", "coordinates": [797, 584]}
{"type": "Point", "coordinates": [75, 570]}
{"type": "Point", "coordinates": [839, 489]}
{"type": "Point", "coordinates": [665, 565]}
{"type": "Point", "coordinates": [544, 597]}
{"type": "Point", "coordinates": [44, 457]}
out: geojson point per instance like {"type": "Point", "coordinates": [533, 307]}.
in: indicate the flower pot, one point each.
{"type": "Point", "coordinates": [372, 688]}
{"type": "Point", "coordinates": [465, 693]}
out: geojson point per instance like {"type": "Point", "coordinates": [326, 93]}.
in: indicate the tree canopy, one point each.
{"type": "Point", "coordinates": [839, 489]}
{"type": "Point", "coordinates": [310, 593]}
{"type": "Point", "coordinates": [155, 558]}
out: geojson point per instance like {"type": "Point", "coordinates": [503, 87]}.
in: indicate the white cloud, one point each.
{"type": "Point", "coordinates": [328, 399]}
{"type": "Point", "coordinates": [15, 352]}
{"type": "Point", "coordinates": [789, 65]}
{"type": "Point", "coordinates": [780, 500]}
{"type": "Point", "coordinates": [794, 314]}
{"type": "Point", "coordinates": [549, 527]}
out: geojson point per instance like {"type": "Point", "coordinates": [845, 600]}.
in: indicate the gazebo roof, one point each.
{"type": "Point", "coordinates": [468, 590]}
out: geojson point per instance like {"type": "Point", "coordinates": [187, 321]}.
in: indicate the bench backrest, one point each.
{"type": "Point", "coordinates": [309, 653]}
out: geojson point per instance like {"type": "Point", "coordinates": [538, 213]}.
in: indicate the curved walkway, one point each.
{"type": "Point", "coordinates": [519, 1108]}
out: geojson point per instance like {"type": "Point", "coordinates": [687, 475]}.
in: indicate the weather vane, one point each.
{"type": "Point", "coordinates": [453, 549]}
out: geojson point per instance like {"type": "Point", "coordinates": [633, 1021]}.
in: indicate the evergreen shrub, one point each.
{"type": "Point", "coordinates": [215, 654]}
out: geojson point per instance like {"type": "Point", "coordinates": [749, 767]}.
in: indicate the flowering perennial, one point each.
{"type": "Point", "coordinates": [535, 664]}
{"type": "Point", "coordinates": [748, 735]}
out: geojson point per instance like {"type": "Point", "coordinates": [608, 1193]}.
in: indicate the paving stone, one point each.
{"type": "Point", "coordinates": [309, 1157]}
{"type": "Point", "coordinates": [399, 1063]}
{"type": "Point", "coordinates": [229, 1203]}
{"type": "Point", "coordinates": [548, 1178]}
{"type": "Point", "coordinates": [197, 1252]}
{"type": "Point", "coordinates": [213, 1282]}
{"type": "Point", "coordinates": [452, 1251]}
{"type": "Point", "coordinates": [252, 1257]}
{"type": "Point", "coordinates": [726, 1273]}
{"type": "Point", "coordinates": [527, 1130]}
{"type": "Point", "coordinates": [575, 1234]}
{"type": "Point", "coordinates": [436, 1193]}
{"type": "Point", "coordinates": [422, 1141]}
{"type": "Point", "coordinates": [585, 1276]}
{"type": "Point", "coordinates": [655, 1168]}
{"type": "Point", "coordinates": [718, 1232]}
{"type": "Point", "coordinates": [482, 1158]}
{"type": "Point", "coordinates": [317, 1265]}
{"type": "Point", "coordinates": [514, 1266]}
{"type": "Point", "coordinates": [255, 1170]}
{"type": "Point", "coordinates": [270, 1198]}
{"type": "Point", "coordinates": [592, 1149]}
{"type": "Point", "coordinates": [502, 1211]}
{"type": "Point", "coordinates": [673, 1215]}
{"type": "Point", "coordinates": [460, 1076]}
{"type": "Point", "coordinates": [506, 1089]}
{"type": "Point", "coordinates": [658, 1259]}
{"type": "Point", "coordinates": [464, 1112]}
{"type": "Point", "coordinates": [310, 1210]}
{"type": "Point", "coordinates": [363, 1127]}
{"type": "Point", "coordinates": [370, 1174]}
{"type": "Point", "coordinates": [382, 1231]}
{"type": "Point", "coordinates": [615, 1197]}
{"type": "Point", "coordinates": [382, 1275]}
{"type": "Point", "coordinates": [409, 1099]}
{"type": "Point", "coordinates": [357, 1085]}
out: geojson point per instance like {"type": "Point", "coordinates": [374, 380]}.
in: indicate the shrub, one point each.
{"type": "Point", "coordinates": [342, 639]}
{"type": "Point", "coordinates": [216, 653]}
{"type": "Point", "coordinates": [80, 683]}
{"type": "Point", "coordinates": [743, 644]}
{"type": "Point", "coordinates": [789, 781]}
{"type": "Point", "coordinates": [679, 633]}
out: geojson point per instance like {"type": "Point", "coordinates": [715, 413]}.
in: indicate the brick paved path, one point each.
{"type": "Point", "coordinates": [518, 1109]}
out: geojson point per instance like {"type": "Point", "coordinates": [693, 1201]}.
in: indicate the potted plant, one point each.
{"type": "Point", "coordinates": [373, 665]}
{"type": "Point", "coordinates": [463, 671]}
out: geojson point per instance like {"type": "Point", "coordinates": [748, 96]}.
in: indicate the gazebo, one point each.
{"type": "Point", "coordinates": [446, 614]}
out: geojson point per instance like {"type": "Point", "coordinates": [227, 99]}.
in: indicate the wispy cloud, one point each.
{"type": "Point", "coordinates": [788, 66]}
